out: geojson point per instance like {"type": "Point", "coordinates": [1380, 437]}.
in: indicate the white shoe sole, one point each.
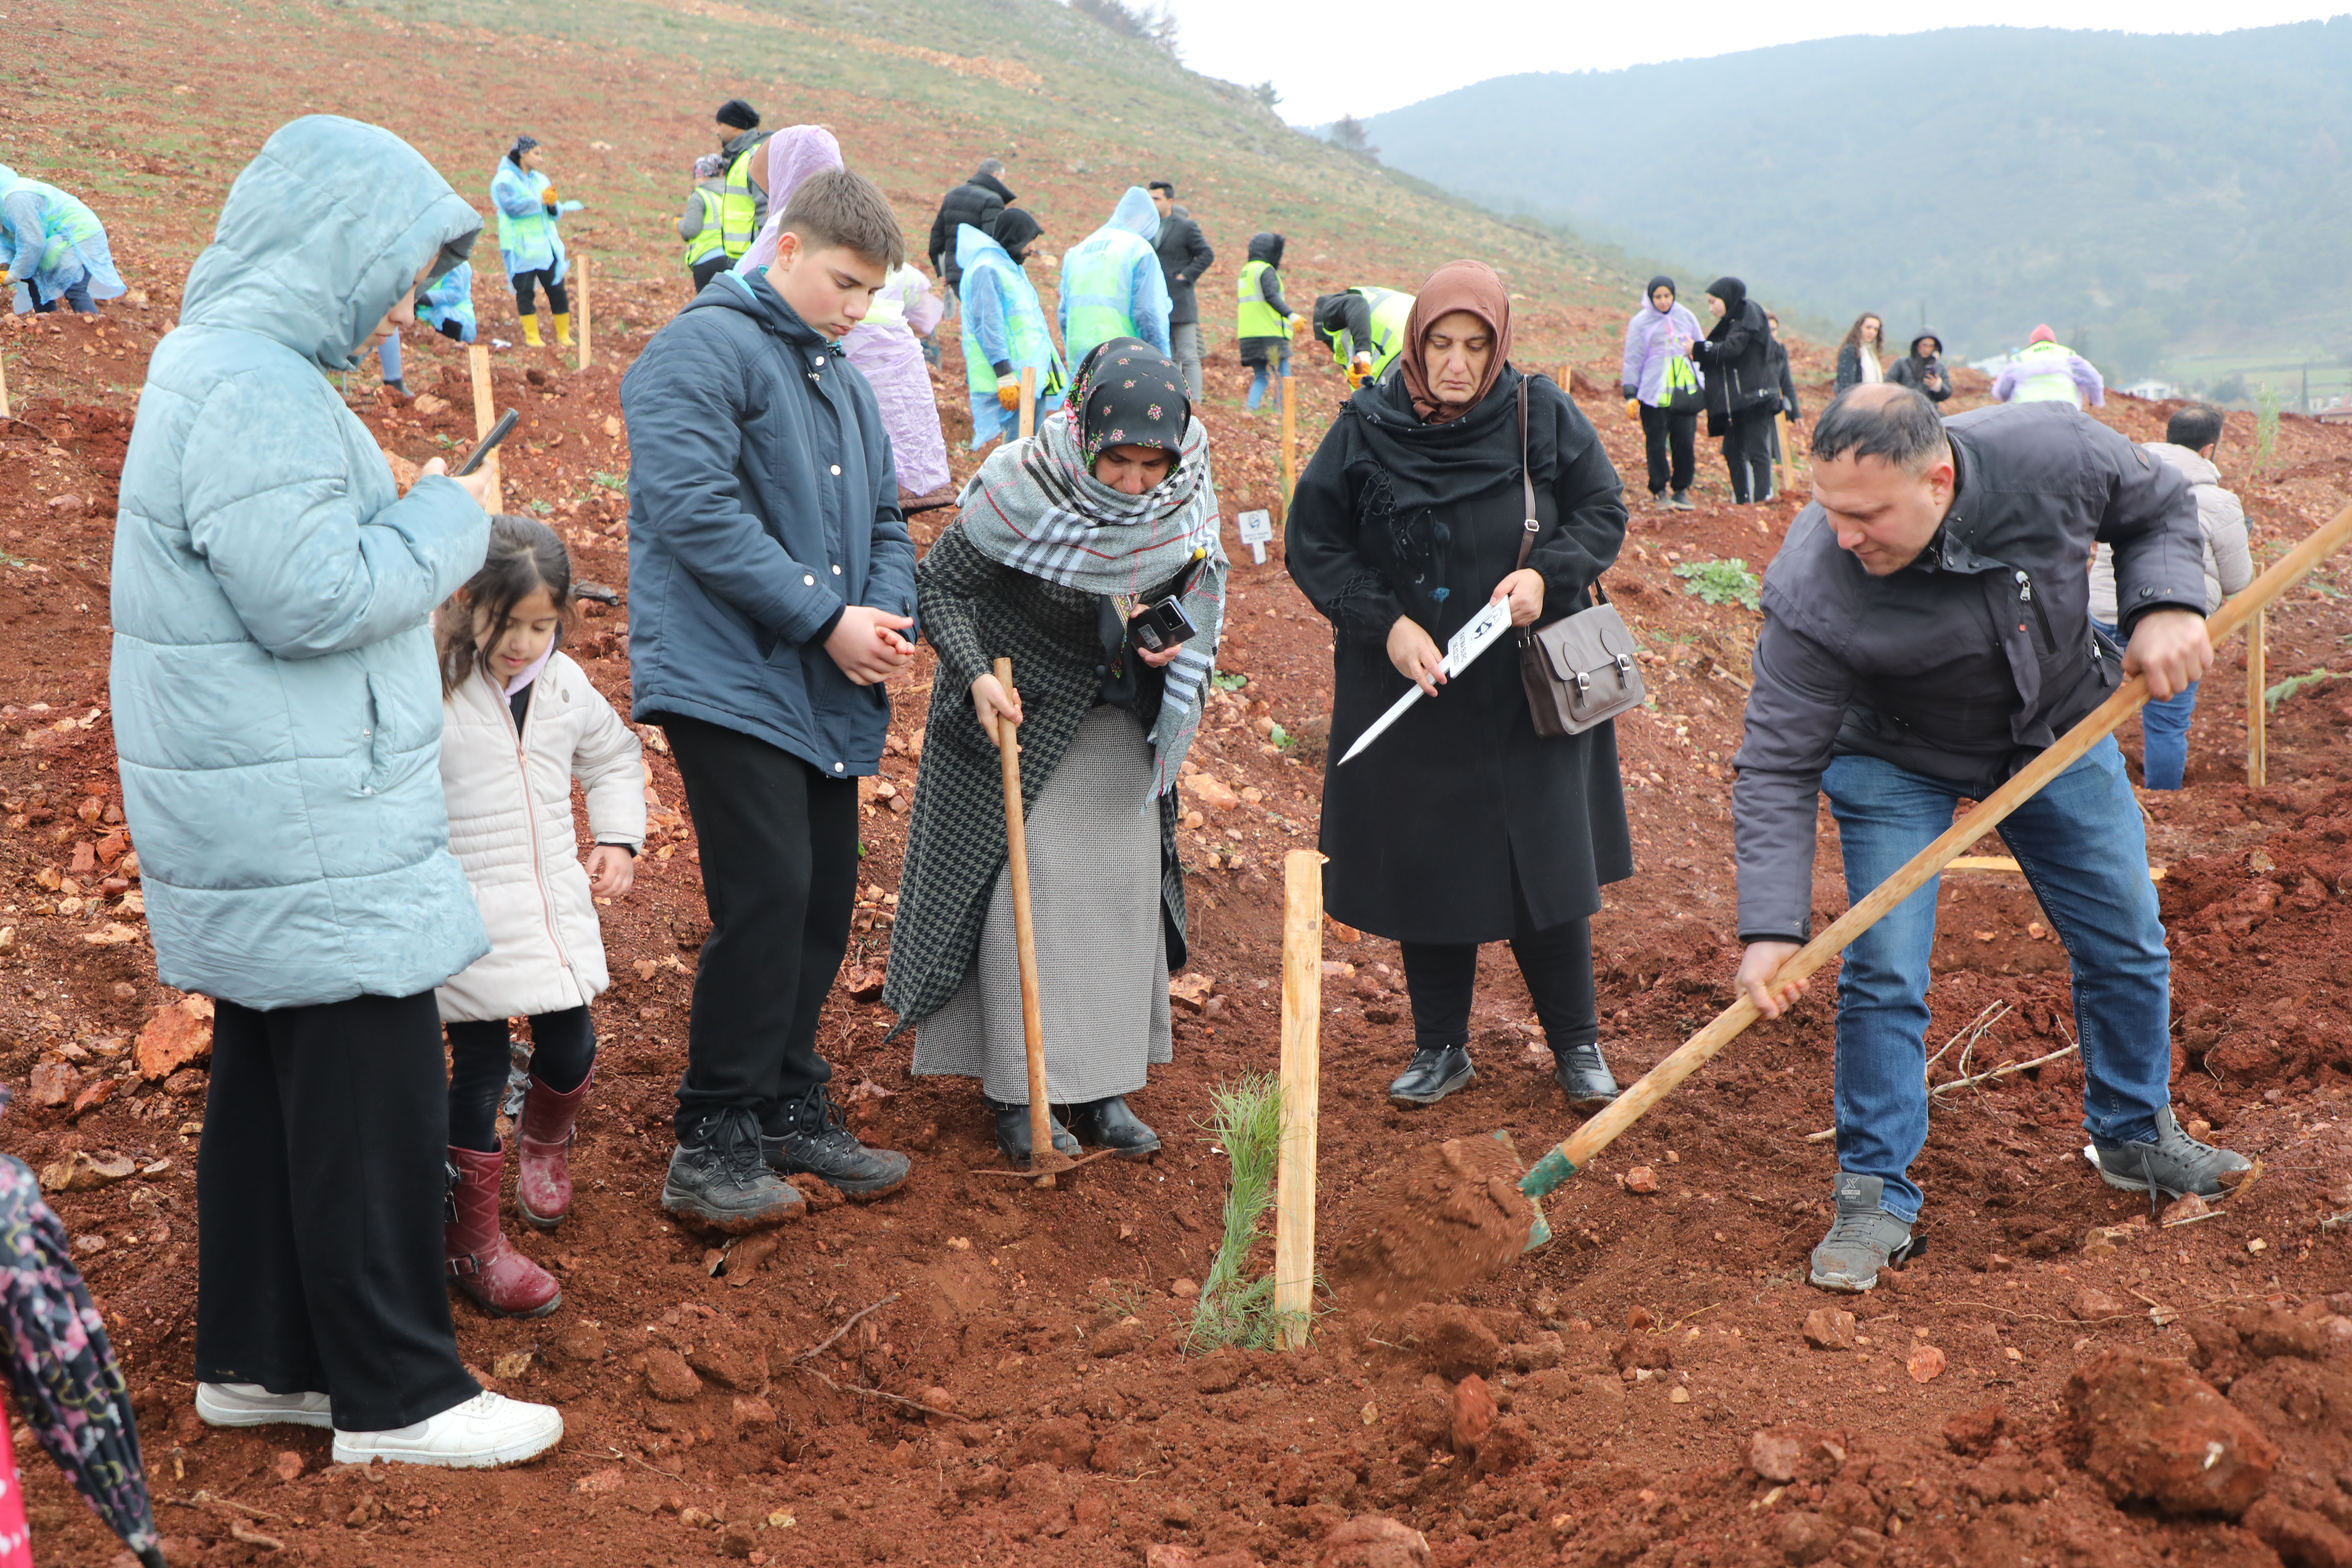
{"type": "Point", "coordinates": [355, 1448]}
{"type": "Point", "coordinates": [215, 1412]}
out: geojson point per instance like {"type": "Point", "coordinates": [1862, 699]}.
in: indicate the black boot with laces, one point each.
{"type": "Point", "coordinates": [815, 1142]}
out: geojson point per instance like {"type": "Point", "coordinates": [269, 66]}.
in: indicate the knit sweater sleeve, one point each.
{"type": "Point", "coordinates": [949, 583]}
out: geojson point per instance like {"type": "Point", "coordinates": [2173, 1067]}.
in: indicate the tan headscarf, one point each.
{"type": "Point", "coordinates": [1470, 286]}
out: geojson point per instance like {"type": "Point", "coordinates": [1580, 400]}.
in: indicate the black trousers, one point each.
{"type": "Point", "coordinates": [779, 876]}
{"type": "Point", "coordinates": [1748, 453]}
{"type": "Point", "coordinates": [320, 1194]}
{"type": "Point", "coordinates": [1675, 428]}
{"type": "Point", "coordinates": [563, 1049]}
{"type": "Point", "coordinates": [557, 300]}
{"type": "Point", "coordinates": [710, 267]}
{"type": "Point", "coordinates": [1555, 962]}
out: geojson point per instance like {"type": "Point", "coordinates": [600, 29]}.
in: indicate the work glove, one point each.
{"type": "Point", "coordinates": [1634, 410]}
{"type": "Point", "coordinates": [1359, 370]}
{"type": "Point", "coordinates": [1008, 393]}
{"type": "Point", "coordinates": [547, 196]}
{"type": "Point", "coordinates": [1297, 321]}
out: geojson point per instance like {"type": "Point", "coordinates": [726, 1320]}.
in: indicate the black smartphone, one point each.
{"type": "Point", "coordinates": [1160, 627]}
{"type": "Point", "coordinates": [499, 433]}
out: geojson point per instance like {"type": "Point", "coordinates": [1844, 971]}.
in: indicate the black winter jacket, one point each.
{"type": "Point", "coordinates": [1968, 662]}
{"type": "Point", "coordinates": [1184, 255]}
{"type": "Point", "coordinates": [1912, 370]}
{"type": "Point", "coordinates": [976, 202]}
{"type": "Point", "coordinates": [1737, 355]}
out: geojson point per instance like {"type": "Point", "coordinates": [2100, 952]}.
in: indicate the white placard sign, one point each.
{"type": "Point", "coordinates": [1256, 530]}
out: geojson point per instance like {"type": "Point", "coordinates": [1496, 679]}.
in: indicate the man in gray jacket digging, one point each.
{"type": "Point", "coordinates": [1927, 633]}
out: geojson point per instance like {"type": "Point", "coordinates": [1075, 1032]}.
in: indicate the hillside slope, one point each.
{"type": "Point", "coordinates": [2136, 192]}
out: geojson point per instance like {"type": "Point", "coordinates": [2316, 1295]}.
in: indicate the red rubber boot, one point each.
{"type": "Point", "coordinates": [543, 1183]}
{"type": "Point", "coordinates": [501, 1281]}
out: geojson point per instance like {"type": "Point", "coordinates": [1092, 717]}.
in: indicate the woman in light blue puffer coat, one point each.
{"type": "Point", "coordinates": [278, 716]}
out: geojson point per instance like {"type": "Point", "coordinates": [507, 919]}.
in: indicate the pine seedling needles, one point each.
{"type": "Point", "coordinates": [1246, 1121]}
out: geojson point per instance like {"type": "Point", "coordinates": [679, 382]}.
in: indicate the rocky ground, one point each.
{"type": "Point", "coordinates": [978, 1372]}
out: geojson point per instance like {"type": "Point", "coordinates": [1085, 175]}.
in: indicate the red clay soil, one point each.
{"type": "Point", "coordinates": [1012, 1385]}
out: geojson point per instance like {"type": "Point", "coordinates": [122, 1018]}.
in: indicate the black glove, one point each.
{"type": "Point", "coordinates": [1631, 391]}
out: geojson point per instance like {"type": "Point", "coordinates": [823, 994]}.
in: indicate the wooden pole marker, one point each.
{"type": "Point", "coordinates": [486, 413]}
{"type": "Point", "coordinates": [580, 306]}
{"type": "Point", "coordinates": [1302, 1056]}
{"type": "Point", "coordinates": [4, 410]}
{"type": "Point", "coordinates": [2258, 746]}
{"type": "Point", "coordinates": [1028, 401]}
{"type": "Point", "coordinates": [1289, 438]}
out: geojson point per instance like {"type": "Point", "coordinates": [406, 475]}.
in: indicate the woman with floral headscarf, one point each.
{"type": "Point", "coordinates": [1065, 540]}
{"type": "Point", "coordinates": [1461, 825]}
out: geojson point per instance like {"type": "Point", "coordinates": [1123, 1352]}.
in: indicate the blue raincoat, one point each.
{"type": "Point", "coordinates": [528, 240]}
{"type": "Point", "coordinates": [277, 704]}
{"type": "Point", "coordinates": [1004, 322]}
{"type": "Point", "coordinates": [1112, 284]}
{"type": "Point", "coordinates": [50, 241]}
{"type": "Point", "coordinates": [449, 298]}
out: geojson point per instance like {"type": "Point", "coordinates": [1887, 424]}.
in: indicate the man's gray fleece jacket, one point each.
{"type": "Point", "coordinates": [1968, 662]}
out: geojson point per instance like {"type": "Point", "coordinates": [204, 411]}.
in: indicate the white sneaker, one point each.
{"type": "Point", "coordinates": [487, 1430]}
{"type": "Point", "coordinates": [250, 1405]}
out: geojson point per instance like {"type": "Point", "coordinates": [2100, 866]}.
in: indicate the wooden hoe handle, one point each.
{"type": "Point", "coordinates": [1042, 1156]}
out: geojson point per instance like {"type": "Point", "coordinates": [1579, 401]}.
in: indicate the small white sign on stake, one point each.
{"type": "Point", "coordinates": [1256, 530]}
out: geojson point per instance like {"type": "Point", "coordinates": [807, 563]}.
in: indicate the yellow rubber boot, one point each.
{"type": "Point", "coordinates": [562, 327]}
{"type": "Point", "coordinates": [530, 332]}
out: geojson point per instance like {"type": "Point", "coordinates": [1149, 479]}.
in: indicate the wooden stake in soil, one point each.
{"type": "Point", "coordinates": [1028, 401]}
{"type": "Point", "coordinates": [5, 412]}
{"type": "Point", "coordinates": [1579, 1148]}
{"type": "Point", "coordinates": [1289, 439]}
{"type": "Point", "coordinates": [1041, 1153]}
{"type": "Point", "coordinates": [580, 305]}
{"type": "Point", "coordinates": [485, 414]}
{"type": "Point", "coordinates": [2258, 747]}
{"type": "Point", "coordinates": [1302, 1052]}
{"type": "Point", "coordinates": [1787, 465]}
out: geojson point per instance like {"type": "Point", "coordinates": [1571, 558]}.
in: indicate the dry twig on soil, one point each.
{"type": "Point", "coordinates": [848, 1324]}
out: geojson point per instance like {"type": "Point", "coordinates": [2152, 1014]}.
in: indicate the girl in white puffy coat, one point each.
{"type": "Point", "coordinates": [519, 722]}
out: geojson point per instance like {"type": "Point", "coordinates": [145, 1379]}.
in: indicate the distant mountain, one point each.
{"type": "Point", "coordinates": [2139, 193]}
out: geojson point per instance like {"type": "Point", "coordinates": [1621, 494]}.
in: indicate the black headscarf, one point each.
{"type": "Point", "coordinates": [523, 145]}
{"type": "Point", "coordinates": [1128, 394]}
{"type": "Point", "coordinates": [1732, 292]}
{"type": "Point", "coordinates": [737, 115]}
{"type": "Point", "coordinates": [1013, 229]}
{"type": "Point", "coordinates": [1649, 295]}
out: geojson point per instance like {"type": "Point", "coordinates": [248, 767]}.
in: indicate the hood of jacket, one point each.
{"type": "Point", "coordinates": [1265, 247]}
{"type": "Point", "coordinates": [1927, 336]}
{"type": "Point", "coordinates": [991, 183]}
{"type": "Point", "coordinates": [755, 296]}
{"type": "Point", "coordinates": [322, 234]}
{"type": "Point", "coordinates": [2197, 470]}
{"type": "Point", "coordinates": [975, 246]}
{"type": "Point", "coordinates": [1136, 214]}
{"type": "Point", "coordinates": [1732, 292]}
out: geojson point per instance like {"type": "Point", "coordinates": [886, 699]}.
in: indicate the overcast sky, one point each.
{"type": "Point", "coordinates": [1331, 58]}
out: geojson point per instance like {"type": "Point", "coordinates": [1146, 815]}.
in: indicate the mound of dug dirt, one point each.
{"type": "Point", "coordinates": [1443, 1219]}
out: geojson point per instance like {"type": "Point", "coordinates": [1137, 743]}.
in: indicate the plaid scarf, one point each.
{"type": "Point", "coordinates": [1036, 507]}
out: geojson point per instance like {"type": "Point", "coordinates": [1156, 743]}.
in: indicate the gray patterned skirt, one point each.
{"type": "Point", "coordinates": [1102, 953]}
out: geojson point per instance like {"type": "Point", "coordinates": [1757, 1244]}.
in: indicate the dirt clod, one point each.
{"type": "Point", "coordinates": [1373, 1540]}
{"type": "Point", "coordinates": [2159, 1433]}
{"type": "Point", "coordinates": [1442, 1219]}
{"type": "Point", "coordinates": [1472, 1408]}
{"type": "Point", "coordinates": [668, 1378]}
{"type": "Point", "coordinates": [1829, 1328]}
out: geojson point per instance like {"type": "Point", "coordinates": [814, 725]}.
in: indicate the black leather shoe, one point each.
{"type": "Point", "coordinates": [1110, 1124]}
{"type": "Point", "coordinates": [1436, 1072]}
{"type": "Point", "coordinates": [1012, 1133]}
{"type": "Point", "coordinates": [814, 1142]}
{"type": "Point", "coordinates": [1584, 1072]}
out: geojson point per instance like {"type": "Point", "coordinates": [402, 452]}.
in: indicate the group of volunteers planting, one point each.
{"type": "Point", "coordinates": [349, 734]}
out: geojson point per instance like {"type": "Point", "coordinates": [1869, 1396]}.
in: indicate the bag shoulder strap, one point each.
{"type": "Point", "coordinates": [1527, 482]}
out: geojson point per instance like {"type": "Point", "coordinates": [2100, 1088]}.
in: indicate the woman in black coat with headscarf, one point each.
{"type": "Point", "coordinates": [1460, 824]}
{"type": "Point", "coordinates": [1742, 393]}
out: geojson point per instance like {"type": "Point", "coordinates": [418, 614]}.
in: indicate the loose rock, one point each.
{"type": "Point", "coordinates": [2091, 1303]}
{"type": "Point", "coordinates": [1829, 1328]}
{"type": "Point", "coordinates": [2158, 1432]}
{"type": "Point", "coordinates": [1373, 1540]}
{"type": "Point", "coordinates": [1926, 1365]}
{"type": "Point", "coordinates": [1641, 1179]}
{"type": "Point", "coordinates": [668, 1378]}
{"type": "Point", "coordinates": [1472, 1409]}
{"type": "Point", "coordinates": [174, 1038]}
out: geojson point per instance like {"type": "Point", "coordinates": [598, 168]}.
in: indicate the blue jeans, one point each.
{"type": "Point", "coordinates": [387, 357]}
{"type": "Point", "coordinates": [2084, 849]}
{"type": "Point", "coordinates": [1268, 374]}
{"type": "Point", "coordinates": [75, 294]}
{"type": "Point", "coordinates": [2164, 732]}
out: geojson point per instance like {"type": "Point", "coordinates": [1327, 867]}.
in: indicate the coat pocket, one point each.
{"type": "Point", "coordinates": [381, 747]}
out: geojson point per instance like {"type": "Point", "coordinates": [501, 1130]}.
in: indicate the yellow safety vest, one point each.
{"type": "Point", "coordinates": [706, 238]}
{"type": "Point", "coordinates": [1255, 318]}
{"type": "Point", "coordinates": [1391, 307]}
{"type": "Point", "coordinates": [739, 209]}
{"type": "Point", "coordinates": [2045, 375]}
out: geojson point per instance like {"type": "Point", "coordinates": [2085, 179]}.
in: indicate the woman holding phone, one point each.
{"type": "Point", "coordinates": [1069, 550]}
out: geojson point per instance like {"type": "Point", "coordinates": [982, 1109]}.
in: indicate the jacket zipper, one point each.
{"type": "Point", "coordinates": [2025, 595]}
{"type": "Point", "coordinates": [531, 818]}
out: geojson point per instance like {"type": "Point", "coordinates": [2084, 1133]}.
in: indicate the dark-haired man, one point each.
{"type": "Point", "coordinates": [1184, 255]}
{"type": "Point", "coordinates": [743, 191]}
{"type": "Point", "coordinates": [976, 202]}
{"type": "Point", "coordinates": [1927, 633]}
{"type": "Point", "coordinates": [772, 581]}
